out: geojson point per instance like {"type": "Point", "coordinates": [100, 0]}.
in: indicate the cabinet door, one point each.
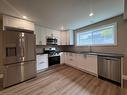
{"type": "Point", "coordinates": [12, 22]}
{"type": "Point", "coordinates": [29, 70]}
{"type": "Point", "coordinates": [37, 33]}
{"type": "Point", "coordinates": [92, 63]}
{"type": "Point", "coordinates": [62, 58]}
{"type": "Point", "coordinates": [85, 65]}
{"type": "Point", "coordinates": [70, 59]}
{"type": "Point", "coordinates": [63, 38]}
{"type": "Point", "coordinates": [17, 23]}
{"type": "Point", "coordinates": [66, 57]}
{"type": "Point", "coordinates": [71, 37]}
{"type": "Point", "coordinates": [27, 25]}
{"type": "Point", "coordinates": [79, 60]}
{"type": "Point", "coordinates": [43, 36]}
{"type": "Point", "coordinates": [68, 38]}
{"type": "Point", "coordinates": [12, 75]}
{"type": "Point", "coordinates": [56, 34]}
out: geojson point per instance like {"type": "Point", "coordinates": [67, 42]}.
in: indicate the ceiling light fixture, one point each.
{"type": "Point", "coordinates": [25, 17]}
{"type": "Point", "coordinates": [91, 9]}
{"type": "Point", "coordinates": [91, 14]}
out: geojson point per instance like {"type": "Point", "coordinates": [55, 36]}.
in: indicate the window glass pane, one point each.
{"type": "Point", "coordinates": [104, 36]}
{"type": "Point", "coordinates": [99, 36]}
{"type": "Point", "coordinates": [85, 38]}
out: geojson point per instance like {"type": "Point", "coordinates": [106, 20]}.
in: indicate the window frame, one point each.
{"type": "Point", "coordinates": [99, 28]}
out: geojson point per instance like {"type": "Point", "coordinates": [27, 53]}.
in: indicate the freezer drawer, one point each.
{"type": "Point", "coordinates": [29, 70]}
{"type": "Point", "coordinates": [12, 75]}
{"type": "Point", "coordinates": [16, 73]}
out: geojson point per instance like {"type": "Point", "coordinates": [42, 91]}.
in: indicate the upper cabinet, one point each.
{"type": "Point", "coordinates": [63, 37]}
{"type": "Point", "coordinates": [66, 37]}
{"type": "Point", "coordinates": [13, 22]}
{"type": "Point", "coordinates": [125, 9]}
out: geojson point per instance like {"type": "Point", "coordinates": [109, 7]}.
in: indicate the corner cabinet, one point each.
{"type": "Point", "coordinates": [9, 21]}
{"type": "Point", "coordinates": [87, 63]}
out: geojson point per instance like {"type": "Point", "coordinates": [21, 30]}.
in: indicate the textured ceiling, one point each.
{"type": "Point", "coordinates": [70, 14]}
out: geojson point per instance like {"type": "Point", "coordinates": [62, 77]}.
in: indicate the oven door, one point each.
{"type": "Point", "coordinates": [12, 47]}
{"type": "Point", "coordinates": [54, 60]}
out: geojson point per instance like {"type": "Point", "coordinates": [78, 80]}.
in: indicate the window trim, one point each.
{"type": "Point", "coordinates": [99, 28]}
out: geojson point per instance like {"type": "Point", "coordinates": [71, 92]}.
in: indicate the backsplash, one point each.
{"type": "Point", "coordinates": [39, 48]}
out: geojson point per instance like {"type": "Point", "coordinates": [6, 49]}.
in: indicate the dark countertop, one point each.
{"type": "Point", "coordinates": [40, 53]}
{"type": "Point", "coordinates": [92, 53]}
{"type": "Point", "coordinates": [99, 53]}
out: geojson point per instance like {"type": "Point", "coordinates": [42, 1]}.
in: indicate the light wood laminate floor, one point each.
{"type": "Point", "coordinates": [64, 80]}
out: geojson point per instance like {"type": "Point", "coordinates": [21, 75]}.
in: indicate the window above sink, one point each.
{"type": "Point", "coordinates": [100, 36]}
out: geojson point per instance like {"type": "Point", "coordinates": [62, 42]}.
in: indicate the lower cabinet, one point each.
{"type": "Point", "coordinates": [84, 62]}
{"type": "Point", "coordinates": [62, 58]}
{"type": "Point", "coordinates": [92, 64]}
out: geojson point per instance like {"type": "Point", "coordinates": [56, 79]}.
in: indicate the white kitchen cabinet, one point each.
{"type": "Point", "coordinates": [62, 58]}
{"type": "Point", "coordinates": [66, 38]}
{"type": "Point", "coordinates": [84, 62]}
{"type": "Point", "coordinates": [92, 64]}
{"type": "Point", "coordinates": [42, 62]}
{"type": "Point", "coordinates": [42, 33]}
{"type": "Point", "coordinates": [70, 59]}
{"type": "Point", "coordinates": [71, 37]}
{"type": "Point", "coordinates": [38, 35]}
{"type": "Point", "coordinates": [80, 61]}
{"type": "Point", "coordinates": [56, 34]}
{"type": "Point", "coordinates": [63, 38]}
{"type": "Point", "coordinates": [17, 23]}
{"type": "Point", "coordinates": [66, 55]}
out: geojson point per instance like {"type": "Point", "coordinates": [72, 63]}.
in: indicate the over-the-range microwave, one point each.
{"type": "Point", "coordinates": [51, 41]}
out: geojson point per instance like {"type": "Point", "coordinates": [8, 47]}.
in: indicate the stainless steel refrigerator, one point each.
{"type": "Point", "coordinates": [19, 57]}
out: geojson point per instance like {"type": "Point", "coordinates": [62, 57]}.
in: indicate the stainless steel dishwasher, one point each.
{"type": "Point", "coordinates": [110, 68]}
